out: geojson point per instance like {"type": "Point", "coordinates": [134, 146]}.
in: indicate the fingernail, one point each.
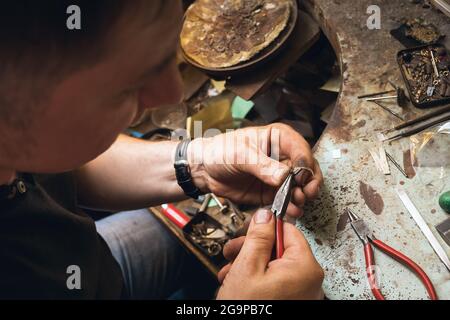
{"type": "Point", "coordinates": [263, 216]}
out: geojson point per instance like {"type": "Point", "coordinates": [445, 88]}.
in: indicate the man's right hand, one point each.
{"type": "Point", "coordinates": [252, 275]}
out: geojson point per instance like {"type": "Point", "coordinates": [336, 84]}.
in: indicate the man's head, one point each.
{"type": "Point", "coordinates": [65, 94]}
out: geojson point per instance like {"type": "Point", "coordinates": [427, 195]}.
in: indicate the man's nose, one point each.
{"type": "Point", "coordinates": [164, 89]}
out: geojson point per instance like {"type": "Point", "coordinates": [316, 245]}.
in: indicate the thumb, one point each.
{"type": "Point", "coordinates": [266, 169]}
{"type": "Point", "coordinates": [259, 242]}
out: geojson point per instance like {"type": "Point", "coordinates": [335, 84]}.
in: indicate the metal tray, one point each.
{"type": "Point", "coordinates": [259, 59]}
{"type": "Point", "coordinates": [428, 104]}
{"type": "Point", "coordinates": [219, 259]}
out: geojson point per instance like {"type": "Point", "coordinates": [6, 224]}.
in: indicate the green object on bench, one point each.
{"type": "Point", "coordinates": [444, 201]}
{"type": "Point", "coordinates": [240, 108]}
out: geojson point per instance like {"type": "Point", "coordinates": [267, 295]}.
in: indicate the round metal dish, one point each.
{"type": "Point", "coordinates": [259, 59]}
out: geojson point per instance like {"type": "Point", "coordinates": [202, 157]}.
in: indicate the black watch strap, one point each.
{"type": "Point", "coordinates": [183, 171]}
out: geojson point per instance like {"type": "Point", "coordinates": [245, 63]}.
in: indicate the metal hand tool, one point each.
{"type": "Point", "coordinates": [205, 203]}
{"type": "Point", "coordinates": [370, 95]}
{"type": "Point", "coordinates": [418, 127]}
{"type": "Point", "coordinates": [397, 165]}
{"type": "Point", "coordinates": [395, 114]}
{"type": "Point", "coordinates": [402, 100]}
{"type": "Point", "coordinates": [236, 216]}
{"type": "Point", "coordinates": [424, 227]}
{"type": "Point", "coordinates": [235, 209]}
{"type": "Point", "coordinates": [280, 204]}
{"type": "Point", "coordinates": [433, 61]}
{"type": "Point", "coordinates": [222, 208]}
{"type": "Point", "coordinates": [367, 238]}
{"type": "Point", "coordinates": [192, 211]}
{"type": "Point", "coordinates": [422, 118]}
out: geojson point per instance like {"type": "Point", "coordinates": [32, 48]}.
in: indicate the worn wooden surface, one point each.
{"type": "Point", "coordinates": [367, 60]}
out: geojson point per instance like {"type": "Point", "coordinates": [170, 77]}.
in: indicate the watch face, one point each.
{"type": "Point", "coordinates": [224, 33]}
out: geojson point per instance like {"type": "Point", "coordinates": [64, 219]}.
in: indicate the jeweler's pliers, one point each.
{"type": "Point", "coordinates": [368, 240]}
{"type": "Point", "coordinates": [280, 204]}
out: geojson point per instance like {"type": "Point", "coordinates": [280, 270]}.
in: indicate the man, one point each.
{"type": "Point", "coordinates": [65, 97]}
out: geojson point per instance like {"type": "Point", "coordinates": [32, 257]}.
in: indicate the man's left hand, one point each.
{"type": "Point", "coordinates": [237, 165]}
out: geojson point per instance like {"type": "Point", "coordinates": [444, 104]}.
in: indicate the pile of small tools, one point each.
{"type": "Point", "coordinates": [207, 231]}
{"type": "Point", "coordinates": [426, 71]}
{"type": "Point", "coordinates": [209, 237]}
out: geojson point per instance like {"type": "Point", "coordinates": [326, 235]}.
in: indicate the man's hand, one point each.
{"type": "Point", "coordinates": [237, 166]}
{"type": "Point", "coordinates": [251, 275]}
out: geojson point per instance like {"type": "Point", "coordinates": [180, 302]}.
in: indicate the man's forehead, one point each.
{"type": "Point", "coordinates": [153, 24]}
{"type": "Point", "coordinates": [135, 48]}
{"type": "Point", "coordinates": [153, 17]}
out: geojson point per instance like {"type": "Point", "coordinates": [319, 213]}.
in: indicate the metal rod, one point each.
{"type": "Point", "coordinates": [397, 165]}
{"type": "Point", "coordinates": [382, 98]}
{"type": "Point", "coordinates": [221, 206]}
{"type": "Point", "coordinates": [389, 110]}
{"type": "Point", "coordinates": [436, 72]}
{"type": "Point", "coordinates": [236, 210]}
{"type": "Point", "coordinates": [205, 203]}
{"type": "Point", "coordinates": [407, 72]}
{"type": "Point", "coordinates": [375, 94]}
{"type": "Point", "coordinates": [424, 227]}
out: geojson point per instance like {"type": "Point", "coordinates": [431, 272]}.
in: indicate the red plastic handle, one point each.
{"type": "Point", "coordinates": [175, 215]}
{"type": "Point", "coordinates": [370, 272]}
{"type": "Point", "coordinates": [400, 257]}
{"type": "Point", "coordinates": [279, 245]}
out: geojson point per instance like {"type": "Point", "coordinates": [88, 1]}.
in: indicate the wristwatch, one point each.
{"type": "Point", "coordinates": [183, 171]}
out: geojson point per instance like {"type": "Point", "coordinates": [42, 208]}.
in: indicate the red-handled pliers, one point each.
{"type": "Point", "coordinates": [280, 204]}
{"type": "Point", "coordinates": [368, 239]}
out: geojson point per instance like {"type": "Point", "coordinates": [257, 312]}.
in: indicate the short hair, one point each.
{"type": "Point", "coordinates": [35, 43]}
{"type": "Point", "coordinates": [41, 24]}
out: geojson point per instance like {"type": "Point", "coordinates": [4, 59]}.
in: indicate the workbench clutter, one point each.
{"type": "Point", "coordinates": [211, 222]}
{"type": "Point", "coordinates": [242, 86]}
{"type": "Point", "coordinates": [380, 157]}
{"type": "Point", "coordinates": [235, 79]}
{"type": "Point", "coordinates": [369, 241]}
{"type": "Point", "coordinates": [208, 223]}
{"type": "Point", "coordinates": [425, 72]}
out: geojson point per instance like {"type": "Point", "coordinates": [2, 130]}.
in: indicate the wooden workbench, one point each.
{"type": "Point", "coordinates": [367, 60]}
